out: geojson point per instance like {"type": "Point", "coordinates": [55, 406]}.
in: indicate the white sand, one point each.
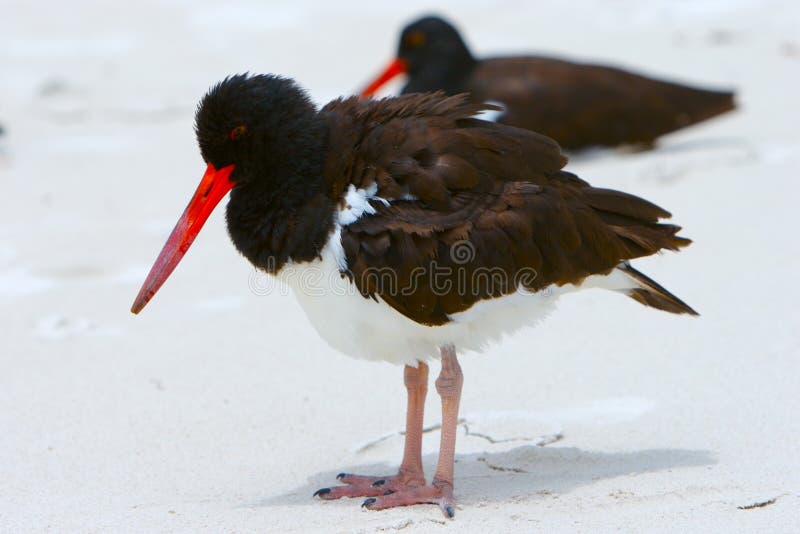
{"type": "Point", "coordinates": [218, 410]}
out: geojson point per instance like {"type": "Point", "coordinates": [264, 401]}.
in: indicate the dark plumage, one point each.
{"type": "Point", "coordinates": [466, 179]}
{"type": "Point", "coordinates": [578, 105]}
{"type": "Point", "coordinates": [498, 187]}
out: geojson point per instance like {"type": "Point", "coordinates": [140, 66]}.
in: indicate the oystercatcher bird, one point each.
{"type": "Point", "coordinates": [578, 105]}
{"type": "Point", "coordinates": [407, 229]}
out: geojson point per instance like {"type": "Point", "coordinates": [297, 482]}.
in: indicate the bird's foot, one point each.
{"type": "Point", "coordinates": [392, 491]}
{"type": "Point", "coordinates": [440, 493]}
{"type": "Point", "coordinates": [369, 486]}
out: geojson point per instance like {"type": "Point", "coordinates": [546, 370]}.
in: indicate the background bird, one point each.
{"type": "Point", "coordinates": [408, 230]}
{"type": "Point", "coordinates": [579, 105]}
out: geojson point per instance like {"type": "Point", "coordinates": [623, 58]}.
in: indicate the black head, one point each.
{"type": "Point", "coordinates": [264, 142]}
{"type": "Point", "coordinates": [432, 40]}
{"type": "Point", "coordinates": [268, 129]}
{"type": "Point", "coordinates": [252, 122]}
{"type": "Point", "coordinates": [433, 55]}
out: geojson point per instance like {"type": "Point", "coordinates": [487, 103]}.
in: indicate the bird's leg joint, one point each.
{"type": "Point", "coordinates": [451, 379]}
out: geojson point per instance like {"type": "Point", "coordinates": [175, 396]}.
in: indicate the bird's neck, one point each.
{"type": "Point", "coordinates": [291, 218]}
{"type": "Point", "coordinates": [449, 74]}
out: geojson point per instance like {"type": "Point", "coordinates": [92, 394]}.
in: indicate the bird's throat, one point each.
{"type": "Point", "coordinates": [276, 227]}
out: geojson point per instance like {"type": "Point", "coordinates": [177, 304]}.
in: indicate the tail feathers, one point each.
{"type": "Point", "coordinates": [648, 292]}
{"type": "Point", "coordinates": [698, 105]}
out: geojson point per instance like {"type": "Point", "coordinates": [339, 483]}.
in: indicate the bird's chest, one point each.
{"type": "Point", "coordinates": [349, 322]}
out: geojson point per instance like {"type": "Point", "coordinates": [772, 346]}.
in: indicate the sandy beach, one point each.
{"type": "Point", "coordinates": [219, 409]}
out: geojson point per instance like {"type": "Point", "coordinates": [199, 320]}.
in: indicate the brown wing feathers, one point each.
{"type": "Point", "coordinates": [477, 209]}
{"type": "Point", "coordinates": [583, 105]}
{"type": "Point", "coordinates": [651, 293]}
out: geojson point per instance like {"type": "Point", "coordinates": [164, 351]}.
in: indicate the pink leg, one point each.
{"type": "Point", "coordinates": [449, 386]}
{"type": "Point", "coordinates": [410, 474]}
{"type": "Point", "coordinates": [416, 381]}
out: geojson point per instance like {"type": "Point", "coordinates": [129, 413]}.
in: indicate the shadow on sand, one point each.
{"type": "Point", "coordinates": [524, 471]}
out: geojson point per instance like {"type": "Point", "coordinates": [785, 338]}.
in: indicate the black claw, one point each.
{"type": "Point", "coordinates": [388, 492]}
{"type": "Point", "coordinates": [378, 483]}
{"type": "Point", "coordinates": [367, 502]}
{"type": "Point", "coordinates": [321, 491]}
{"type": "Point", "coordinates": [340, 476]}
{"type": "Point", "coordinates": [449, 511]}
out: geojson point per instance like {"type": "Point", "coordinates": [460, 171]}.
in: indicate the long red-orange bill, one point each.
{"type": "Point", "coordinates": [213, 188]}
{"type": "Point", "coordinates": [398, 66]}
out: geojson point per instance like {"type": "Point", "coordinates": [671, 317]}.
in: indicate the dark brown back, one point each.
{"type": "Point", "coordinates": [582, 105]}
{"type": "Point", "coordinates": [478, 207]}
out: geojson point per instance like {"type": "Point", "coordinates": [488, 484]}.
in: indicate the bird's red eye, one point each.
{"type": "Point", "coordinates": [414, 39]}
{"type": "Point", "coordinates": [238, 132]}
